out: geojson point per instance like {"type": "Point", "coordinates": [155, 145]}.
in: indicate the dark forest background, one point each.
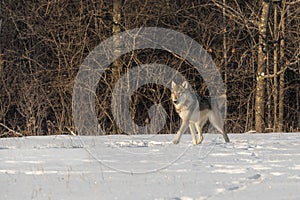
{"type": "Point", "coordinates": [255, 44]}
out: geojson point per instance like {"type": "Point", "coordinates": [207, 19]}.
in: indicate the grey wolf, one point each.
{"type": "Point", "coordinates": [195, 110]}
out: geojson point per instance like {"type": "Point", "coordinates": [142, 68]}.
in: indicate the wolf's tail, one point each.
{"type": "Point", "coordinates": [216, 117]}
{"type": "Point", "coordinates": [219, 101]}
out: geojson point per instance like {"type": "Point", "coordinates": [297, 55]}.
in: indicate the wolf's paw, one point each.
{"type": "Point", "coordinates": [175, 141]}
{"type": "Point", "coordinates": [200, 141]}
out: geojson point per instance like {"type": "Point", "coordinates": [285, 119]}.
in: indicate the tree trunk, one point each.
{"type": "Point", "coordinates": [117, 65]}
{"type": "Point", "coordinates": [0, 16]}
{"type": "Point", "coordinates": [261, 68]}
{"type": "Point", "coordinates": [298, 106]}
{"type": "Point", "coordinates": [276, 50]}
{"type": "Point", "coordinates": [269, 89]}
{"type": "Point", "coordinates": [281, 78]}
{"type": "Point", "coordinates": [225, 43]}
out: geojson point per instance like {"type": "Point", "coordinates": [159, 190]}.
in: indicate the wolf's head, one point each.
{"type": "Point", "coordinates": [179, 92]}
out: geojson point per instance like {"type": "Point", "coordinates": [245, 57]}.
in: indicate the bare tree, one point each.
{"type": "Point", "coordinates": [43, 43]}
{"type": "Point", "coordinates": [261, 68]}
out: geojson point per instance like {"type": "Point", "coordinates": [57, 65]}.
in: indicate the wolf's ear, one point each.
{"type": "Point", "coordinates": [185, 85]}
{"type": "Point", "coordinates": [173, 84]}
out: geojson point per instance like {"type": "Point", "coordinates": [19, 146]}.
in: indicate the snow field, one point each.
{"type": "Point", "coordinates": [260, 166]}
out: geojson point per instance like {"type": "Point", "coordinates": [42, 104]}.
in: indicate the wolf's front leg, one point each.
{"type": "Point", "coordinates": [181, 130]}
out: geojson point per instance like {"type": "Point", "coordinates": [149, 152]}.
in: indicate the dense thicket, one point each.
{"type": "Point", "coordinates": [43, 44]}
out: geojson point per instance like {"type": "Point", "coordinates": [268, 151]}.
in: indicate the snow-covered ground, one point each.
{"type": "Point", "coordinates": [252, 166]}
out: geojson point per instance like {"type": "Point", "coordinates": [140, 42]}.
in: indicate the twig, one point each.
{"type": "Point", "coordinates": [10, 130]}
{"type": "Point", "coordinates": [72, 133]}
{"type": "Point", "coordinates": [278, 73]}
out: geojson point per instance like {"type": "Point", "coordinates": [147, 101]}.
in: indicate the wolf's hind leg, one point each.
{"type": "Point", "coordinates": [200, 136]}
{"type": "Point", "coordinates": [217, 121]}
{"type": "Point", "coordinates": [225, 136]}
{"type": "Point", "coordinates": [199, 127]}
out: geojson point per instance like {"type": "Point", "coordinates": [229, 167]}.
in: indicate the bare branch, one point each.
{"type": "Point", "coordinates": [10, 130]}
